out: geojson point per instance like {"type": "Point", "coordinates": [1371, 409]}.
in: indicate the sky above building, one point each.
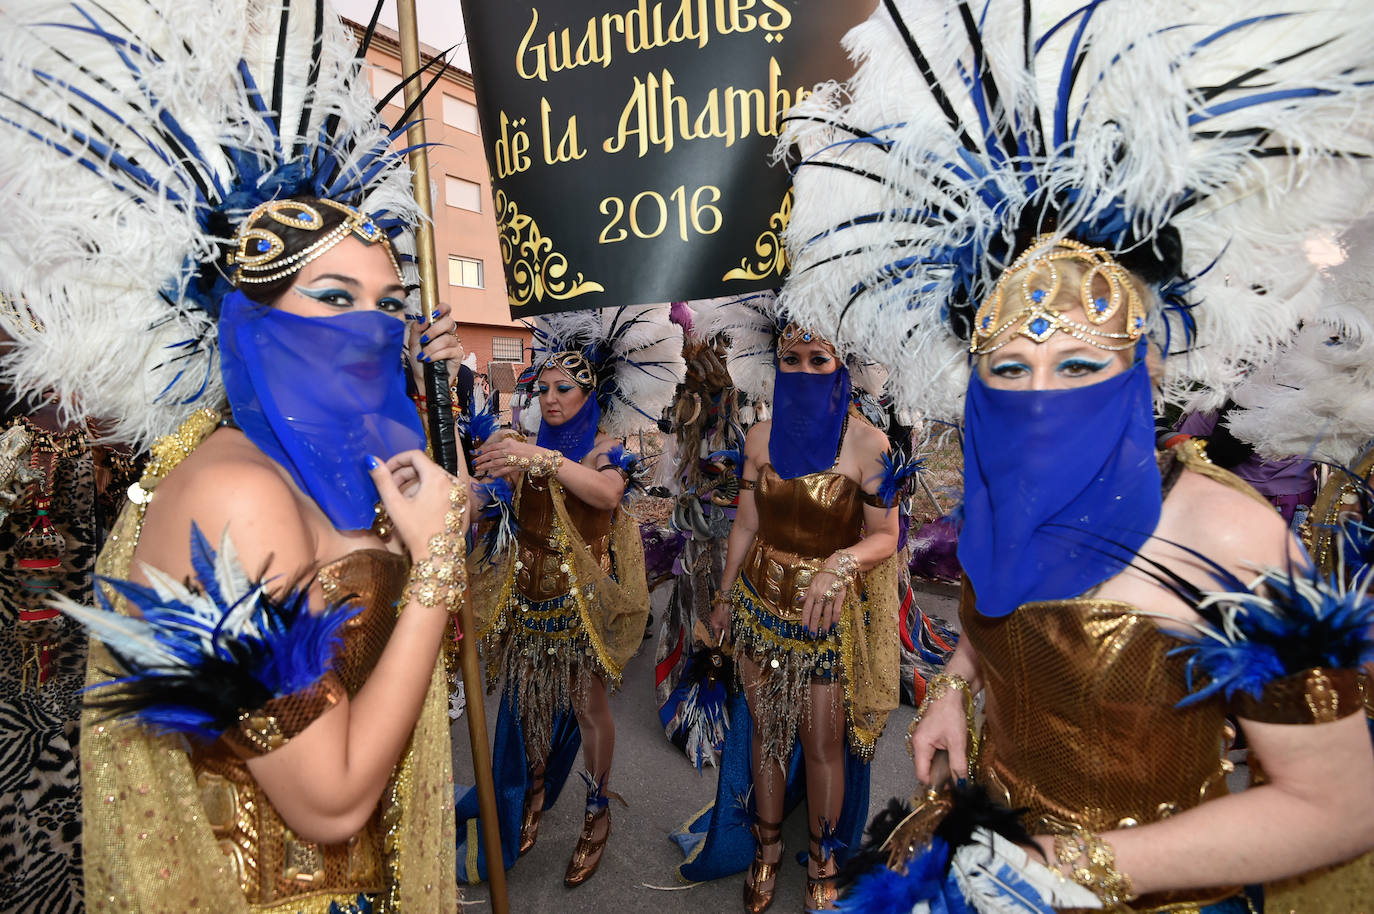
{"type": "Point", "coordinates": [441, 23]}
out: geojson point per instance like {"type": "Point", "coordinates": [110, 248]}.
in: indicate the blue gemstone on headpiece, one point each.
{"type": "Point", "coordinates": [263, 246]}
{"type": "Point", "coordinates": [1139, 322]}
{"type": "Point", "coordinates": [1099, 305]}
{"type": "Point", "coordinates": [305, 217]}
{"type": "Point", "coordinates": [987, 321]}
{"type": "Point", "coordinates": [1038, 296]}
{"type": "Point", "coordinates": [369, 227]}
{"type": "Point", "coordinates": [806, 337]}
{"type": "Point", "coordinates": [1039, 326]}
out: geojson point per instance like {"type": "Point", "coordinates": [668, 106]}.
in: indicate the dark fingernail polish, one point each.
{"type": "Point", "coordinates": [436, 315]}
{"type": "Point", "coordinates": [424, 338]}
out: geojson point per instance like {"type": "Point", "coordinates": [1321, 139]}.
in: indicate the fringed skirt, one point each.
{"type": "Point", "coordinates": [790, 659]}
{"type": "Point", "coordinates": [548, 663]}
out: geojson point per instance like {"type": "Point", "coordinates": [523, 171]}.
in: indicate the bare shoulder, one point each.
{"type": "Point", "coordinates": [228, 484]}
{"type": "Point", "coordinates": [871, 440]}
{"type": "Point", "coordinates": [1227, 525]}
{"type": "Point", "coordinates": [601, 446]}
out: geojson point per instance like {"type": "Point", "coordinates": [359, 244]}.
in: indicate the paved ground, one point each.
{"type": "Point", "coordinates": [639, 871]}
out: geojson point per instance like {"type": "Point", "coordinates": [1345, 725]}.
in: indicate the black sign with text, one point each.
{"type": "Point", "coordinates": [629, 144]}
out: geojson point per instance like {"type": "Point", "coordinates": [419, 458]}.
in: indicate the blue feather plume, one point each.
{"type": "Point", "coordinates": [1285, 621]}
{"type": "Point", "coordinates": [897, 474]}
{"type": "Point", "coordinates": [480, 426]}
{"type": "Point", "coordinates": [496, 520]}
{"type": "Point", "coordinates": [888, 891]}
{"type": "Point", "coordinates": [628, 463]}
{"type": "Point", "coordinates": [200, 654]}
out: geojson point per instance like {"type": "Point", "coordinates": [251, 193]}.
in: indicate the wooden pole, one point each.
{"type": "Point", "coordinates": [429, 296]}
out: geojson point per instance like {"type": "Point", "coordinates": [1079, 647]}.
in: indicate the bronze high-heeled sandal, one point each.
{"type": "Point", "coordinates": [587, 854]}
{"type": "Point", "coordinates": [532, 813]}
{"type": "Point", "coordinates": [821, 892]}
{"type": "Point", "coordinates": [762, 881]}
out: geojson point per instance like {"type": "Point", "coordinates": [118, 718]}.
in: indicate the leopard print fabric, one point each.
{"type": "Point", "coordinates": [40, 798]}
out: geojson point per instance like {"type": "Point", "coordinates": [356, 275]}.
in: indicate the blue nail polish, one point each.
{"type": "Point", "coordinates": [423, 357]}
{"type": "Point", "coordinates": [437, 314]}
{"type": "Point", "coordinates": [372, 462]}
{"type": "Point", "coordinates": [424, 338]}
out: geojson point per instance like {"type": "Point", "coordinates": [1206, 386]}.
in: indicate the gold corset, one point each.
{"type": "Point", "coordinates": [275, 867]}
{"type": "Point", "coordinates": [541, 575]}
{"type": "Point", "coordinates": [1082, 725]}
{"type": "Point", "coordinates": [801, 522]}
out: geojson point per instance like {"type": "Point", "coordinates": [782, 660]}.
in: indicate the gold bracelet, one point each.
{"type": "Point", "coordinates": [1091, 863]}
{"type": "Point", "coordinates": [441, 579]}
{"type": "Point", "coordinates": [545, 464]}
{"type": "Point", "coordinates": [940, 685]}
{"type": "Point", "coordinates": [845, 570]}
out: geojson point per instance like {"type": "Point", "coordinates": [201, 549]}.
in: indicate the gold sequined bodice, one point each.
{"type": "Point", "coordinates": [273, 865]}
{"type": "Point", "coordinates": [540, 575]}
{"type": "Point", "coordinates": [1082, 724]}
{"type": "Point", "coordinates": [801, 522]}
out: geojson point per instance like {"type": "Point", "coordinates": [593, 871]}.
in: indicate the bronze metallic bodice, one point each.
{"type": "Point", "coordinates": [541, 575]}
{"type": "Point", "coordinates": [801, 522]}
{"type": "Point", "coordinates": [273, 865]}
{"type": "Point", "coordinates": [1082, 724]}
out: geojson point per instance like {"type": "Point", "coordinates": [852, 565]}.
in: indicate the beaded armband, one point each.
{"type": "Point", "coordinates": [441, 579]}
{"type": "Point", "coordinates": [272, 726]}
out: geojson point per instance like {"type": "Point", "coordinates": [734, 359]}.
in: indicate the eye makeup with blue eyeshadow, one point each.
{"type": "Point", "coordinates": [342, 299]}
{"type": "Point", "coordinates": [1009, 369]}
{"type": "Point", "coordinates": [1078, 366]}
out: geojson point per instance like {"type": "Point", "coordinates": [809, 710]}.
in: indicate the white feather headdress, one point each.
{"type": "Point", "coordinates": [1316, 396]}
{"type": "Point", "coordinates": [753, 323]}
{"type": "Point", "coordinates": [1200, 142]}
{"type": "Point", "coordinates": [635, 354]}
{"type": "Point", "coordinates": [137, 132]}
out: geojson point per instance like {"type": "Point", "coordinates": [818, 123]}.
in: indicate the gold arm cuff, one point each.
{"type": "Point", "coordinates": [276, 723]}
{"type": "Point", "coordinates": [1315, 696]}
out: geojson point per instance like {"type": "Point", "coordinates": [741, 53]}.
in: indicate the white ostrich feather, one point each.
{"type": "Point", "coordinates": [104, 264]}
{"type": "Point", "coordinates": [1316, 396]}
{"type": "Point", "coordinates": [635, 352]}
{"type": "Point", "coordinates": [1153, 116]}
{"type": "Point", "coordinates": [186, 614]}
{"type": "Point", "coordinates": [996, 876]}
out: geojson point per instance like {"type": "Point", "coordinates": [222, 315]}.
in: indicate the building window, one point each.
{"type": "Point", "coordinates": [460, 114]}
{"type": "Point", "coordinates": [465, 271]}
{"type": "Point", "coordinates": [383, 81]}
{"type": "Point", "coordinates": [507, 349]}
{"type": "Point", "coordinates": [463, 194]}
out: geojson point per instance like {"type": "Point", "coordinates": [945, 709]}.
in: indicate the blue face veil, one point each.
{"type": "Point", "coordinates": [1061, 487]}
{"type": "Point", "coordinates": [319, 395]}
{"type": "Point", "coordinates": [808, 419]}
{"type": "Point", "coordinates": [576, 436]}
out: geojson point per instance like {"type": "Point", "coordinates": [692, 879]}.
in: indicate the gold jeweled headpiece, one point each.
{"type": "Point", "coordinates": [795, 334]}
{"type": "Point", "coordinates": [574, 364]}
{"type": "Point", "coordinates": [1040, 284]}
{"type": "Point", "coordinates": [258, 250]}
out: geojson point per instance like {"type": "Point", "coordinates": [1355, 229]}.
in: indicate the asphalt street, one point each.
{"type": "Point", "coordinates": [639, 870]}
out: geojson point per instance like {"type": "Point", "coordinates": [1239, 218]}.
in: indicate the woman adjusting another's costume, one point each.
{"type": "Point", "coordinates": [1073, 195]}
{"type": "Point", "coordinates": [561, 604]}
{"type": "Point", "coordinates": [809, 593]}
{"type": "Point", "coordinates": [225, 207]}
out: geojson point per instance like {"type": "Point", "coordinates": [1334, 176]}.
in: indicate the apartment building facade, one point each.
{"type": "Point", "coordinates": [465, 236]}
